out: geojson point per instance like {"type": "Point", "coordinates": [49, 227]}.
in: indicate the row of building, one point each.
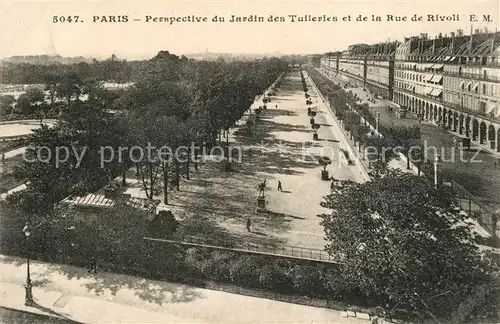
{"type": "Point", "coordinates": [453, 80]}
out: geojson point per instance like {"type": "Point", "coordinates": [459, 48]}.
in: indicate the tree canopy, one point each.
{"type": "Point", "coordinates": [405, 242]}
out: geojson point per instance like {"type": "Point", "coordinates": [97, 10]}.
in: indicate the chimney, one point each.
{"type": "Point", "coordinates": [452, 45]}
{"type": "Point", "coordinates": [470, 41]}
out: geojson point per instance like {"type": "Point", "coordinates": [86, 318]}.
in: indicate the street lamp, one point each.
{"type": "Point", "coordinates": [436, 161]}
{"type": "Point", "coordinates": [377, 121]}
{"type": "Point", "coordinates": [29, 291]}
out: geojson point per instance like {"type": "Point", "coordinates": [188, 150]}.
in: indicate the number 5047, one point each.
{"type": "Point", "coordinates": [65, 19]}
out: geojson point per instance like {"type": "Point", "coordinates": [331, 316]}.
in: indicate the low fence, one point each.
{"type": "Point", "coordinates": [255, 247]}
{"type": "Point", "coordinates": [475, 208]}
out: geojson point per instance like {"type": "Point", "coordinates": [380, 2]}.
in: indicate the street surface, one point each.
{"type": "Point", "coordinates": [72, 293]}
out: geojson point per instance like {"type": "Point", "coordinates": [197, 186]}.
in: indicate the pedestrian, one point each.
{"type": "Point", "coordinates": [279, 186]}
{"type": "Point", "coordinates": [249, 223]}
{"type": "Point", "coordinates": [276, 106]}
{"type": "Point", "coordinates": [93, 265]}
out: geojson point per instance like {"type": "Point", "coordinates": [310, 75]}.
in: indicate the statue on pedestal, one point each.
{"type": "Point", "coordinates": [261, 199]}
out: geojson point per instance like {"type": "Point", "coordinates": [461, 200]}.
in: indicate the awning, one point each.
{"type": "Point", "coordinates": [446, 58]}
{"type": "Point", "coordinates": [436, 92]}
{"type": "Point", "coordinates": [427, 90]}
{"type": "Point", "coordinates": [475, 87]}
{"type": "Point", "coordinates": [461, 84]}
{"type": "Point", "coordinates": [467, 85]}
{"type": "Point", "coordinates": [453, 58]}
{"type": "Point", "coordinates": [430, 66]}
{"type": "Point", "coordinates": [437, 66]}
{"type": "Point", "coordinates": [436, 78]}
{"type": "Point", "coordinates": [427, 77]}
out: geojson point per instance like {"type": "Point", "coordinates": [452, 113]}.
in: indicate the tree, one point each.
{"type": "Point", "coordinates": [78, 140]}
{"type": "Point", "coordinates": [24, 104]}
{"type": "Point", "coordinates": [69, 86]}
{"type": "Point", "coordinates": [379, 152]}
{"type": "Point", "coordinates": [407, 138]}
{"type": "Point", "coordinates": [6, 104]}
{"type": "Point", "coordinates": [35, 95]}
{"type": "Point", "coordinates": [51, 82]}
{"type": "Point", "coordinates": [163, 224]}
{"type": "Point", "coordinates": [404, 242]}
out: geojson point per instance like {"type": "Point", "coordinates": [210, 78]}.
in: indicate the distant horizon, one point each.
{"type": "Point", "coordinates": [269, 53]}
{"type": "Point", "coordinates": [144, 57]}
{"type": "Point", "coordinates": [27, 28]}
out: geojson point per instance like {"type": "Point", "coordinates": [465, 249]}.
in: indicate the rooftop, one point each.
{"type": "Point", "coordinates": [100, 201]}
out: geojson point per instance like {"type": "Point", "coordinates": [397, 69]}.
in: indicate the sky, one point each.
{"type": "Point", "coordinates": [27, 27]}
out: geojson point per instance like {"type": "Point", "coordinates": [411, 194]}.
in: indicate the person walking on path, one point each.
{"type": "Point", "coordinates": [249, 223]}
{"type": "Point", "coordinates": [279, 186]}
{"type": "Point", "coordinates": [93, 265]}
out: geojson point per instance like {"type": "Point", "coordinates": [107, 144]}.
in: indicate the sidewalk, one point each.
{"type": "Point", "coordinates": [379, 103]}
{"type": "Point", "coordinates": [69, 292]}
{"type": "Point", "coordinates": [338, 132]}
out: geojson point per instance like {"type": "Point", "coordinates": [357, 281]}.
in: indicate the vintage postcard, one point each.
{"type": "Point", "coordinates": [249, 161]}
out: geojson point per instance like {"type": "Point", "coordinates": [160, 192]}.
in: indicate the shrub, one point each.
{"type": "Point", "coordinates": [274, 276]}
{"type": "Point", "coordinates": [163, 224]}
{"type": "Point", "coordinates": [308, 280]}
{"type": "Point", "coordinates": [245, 271]}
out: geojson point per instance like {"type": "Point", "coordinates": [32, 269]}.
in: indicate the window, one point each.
{"type": "Point", "coordinates": [492, 92]}
{"type": "Point", "coordinates": [460, 71]}
{"type": "Point", "coordinates": [485, 74]}
{"type": "Point", "coordinates": [484, 88]}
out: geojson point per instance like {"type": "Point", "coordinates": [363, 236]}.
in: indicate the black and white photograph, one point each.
{"type": "Point", "coordinates": [247, 162]}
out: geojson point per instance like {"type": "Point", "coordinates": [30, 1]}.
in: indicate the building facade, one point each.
{"type": "Point", "coordinates": [453, 81]}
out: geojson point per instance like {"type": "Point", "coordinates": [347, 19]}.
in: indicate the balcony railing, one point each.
{"type": "Point", "coordinates": [377, 84]}
{"type": "Point", "coordinates": [425, 97]}
{"type": "Point", "coordinates": [475, 76]}
{"type": "Point", "coordinates": [352, 75]}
